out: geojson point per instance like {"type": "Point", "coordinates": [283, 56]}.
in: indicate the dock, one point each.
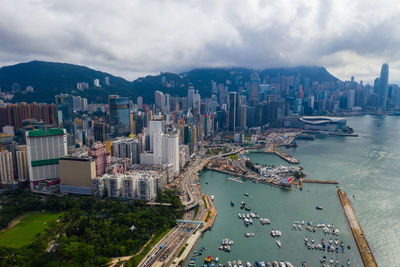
{"type": "Point", "coordinates": [362, 244]}
{"type": "Point", "coordinates": [310, 181]}
{"type": "Point", "coordinates": [235, 180]}
{"type": "Point", "coordinates": [282, 155]}
{"type": "Point", "coordinates": [210, 215]}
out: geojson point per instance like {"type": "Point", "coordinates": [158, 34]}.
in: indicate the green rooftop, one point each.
{"type": "Point", "coordinates": [51, 131]}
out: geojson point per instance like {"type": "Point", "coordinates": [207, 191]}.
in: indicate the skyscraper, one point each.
{"type": "Point", "coordinates": [190, 97]}
{"type": "Point", "coordinates": [119, 115]}
{"type": "Point", "coordinates": [65, 108]}
{"type": "Point", "coordinates": [254, 88]}
{"type": "Point", "coordinates": [233, 107]}
{"type": "Point", "coordinates": [383, 87]}
{"type": "Point", "coordinates": [159, 100]}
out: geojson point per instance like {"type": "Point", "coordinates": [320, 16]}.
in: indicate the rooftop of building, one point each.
{"type": "Point", "coordinates": [322, 119]}
{"type": "Point", "coordinates": [49, 132]}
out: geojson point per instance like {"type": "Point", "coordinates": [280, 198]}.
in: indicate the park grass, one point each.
{"type": "Point", "coordinates": [24, 232]}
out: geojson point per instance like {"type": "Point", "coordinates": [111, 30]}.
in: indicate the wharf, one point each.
{"type": "Point", "coordinates": [284, 156]}
{"type": "Point", "coordinates": [362, 244]}
{"type": "Point", "coordinates": [210, 215]}
{"type": "Point", "coordinates": [319, 181]}
{"type": "Point", "coordinates": [235, 180]}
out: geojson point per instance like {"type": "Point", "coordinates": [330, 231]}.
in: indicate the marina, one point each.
{"type": "Point", "coordinates": [266, 202]}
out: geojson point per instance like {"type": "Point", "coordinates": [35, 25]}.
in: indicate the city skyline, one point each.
{"type": "Point", "coordinates": [135, 39]}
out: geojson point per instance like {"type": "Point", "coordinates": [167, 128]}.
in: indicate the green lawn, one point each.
{"type": "Point", "coordinates": [25, 231]}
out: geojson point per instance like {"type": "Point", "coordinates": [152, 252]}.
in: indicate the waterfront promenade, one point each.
{"type": "Point", "coordinates": [361, 241]}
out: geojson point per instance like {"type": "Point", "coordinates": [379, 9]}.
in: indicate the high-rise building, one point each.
{"type": "Point", "coordinates": [107, 80]}
{"type": "Point", "coordinates": [101, 156]}
{"type": "Point", "coordinates": [254, 88]}
{"type": "Point", "coordinates": [129, 186]}
{"type": "Point", "coordinates": [96, 82]}
{"type": "Point", "coordinates": [119, 115]}
{"type": "Point", "coordinates": [159, 100]}
{"type": "Point", "coordinates": [190, 97]}
{"type": "Point", "coordinates": [22, 164]}
{"type": "Point", "coordinates": [233, 107]}
{"type": "Point", "coordinates": [6, 168]}
{"type": "Point", "coordinates": [65, 108]}
{"type": "Point", "coordinates": [146, 187]}
{"type": "Point", "coordinates": [139, 102]}
{"type": "Point", "coordinates": [44, 149]}
{"type": "Point", "coordinates": [99, 131]}
{"type": "Point", "coordinates": [383, 87]}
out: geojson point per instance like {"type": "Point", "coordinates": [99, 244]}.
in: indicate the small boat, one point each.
{"type": "Point", "coordinates": [242, 203]}
{"type": "Point", "coordinates": [216, 259]}
{"type": "Point", "coordinates": [273, 234]}
{"type": "Point", "coordinates": [278, 242]}
{"type": "Point", "coordinates": [289, 264]}
{"type": "Point", "coordinates": [247, 208]}
{"type": "Point", "coordinates": [319, 207]}
{"type": "Point", "coordinates": [282, 264]}
{"type": "Point", "coordinates": [331, 260]}
{"type": "Point", "coordinates": [240, 216]}
{"type": "Point", "coordinates": [240, 264]}
{"type": "Point", "coordinates": [232, 203]}
{"type": "Point", "coordinates": [208, 259]}
{"type": "Point", "coordinates": [246, 194]}
{"type": "Point", "coordinates": [229, 264]}
{"type": "Point", "coordinates": [304, 264]}
{"type": "Point", "coordinates": [248, 264]}
{"type": "Point", "coordinates": [348, 261]}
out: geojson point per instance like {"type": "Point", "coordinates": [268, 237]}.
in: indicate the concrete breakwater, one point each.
{"type": "Point", "coordinates": [362, 244]}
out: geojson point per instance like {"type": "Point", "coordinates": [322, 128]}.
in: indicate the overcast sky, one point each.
{"type": "Point", "coordinates": [134, 38]}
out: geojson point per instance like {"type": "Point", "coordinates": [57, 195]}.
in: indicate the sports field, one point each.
{"type": "Point", "coordinates": [26, 229]}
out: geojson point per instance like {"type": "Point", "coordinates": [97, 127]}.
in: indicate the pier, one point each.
{"type": "Point", "coordinates": [362, 244]}
{"type": "Point", "coordinates": [282, 155]}
{"type": "Point", "coordinates": [235, 180]}
{"type": "Point", "coordinates": [210, 215]}
{"type": "Point", "coordinates": [310, 181]}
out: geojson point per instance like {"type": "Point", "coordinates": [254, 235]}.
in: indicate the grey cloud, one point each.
{"type": "Point", "coordinates": [131, 38]}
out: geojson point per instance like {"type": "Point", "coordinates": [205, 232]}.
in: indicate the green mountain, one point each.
{"type": "Point", "coordinates": [50, 78]}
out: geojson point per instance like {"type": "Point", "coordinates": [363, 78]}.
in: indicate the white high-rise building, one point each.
{"type": "Point", "coordinates": [164, 147]}
{"type": "Point", "coordinates": [96, 82]}
{"type": "Point", "coordinates": [107, 80]}
{"type": "Point", "coordinates": [114, 184]}
{"type": "Point", "coordinates": [6, 168]}
{"type": "Point", "coordinates": [44, 150]}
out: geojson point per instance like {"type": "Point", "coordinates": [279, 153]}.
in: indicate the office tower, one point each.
{"type": "Point", "coordinates": [22, 164]}
{"type": "Point", "coordinates": [159, 100]}
{"type": "Point", "coordinates": [101, 156]}
{"type": "Point", "coordinates": [65, 108]}
{"type": "Point", "coordinates": [139, 102]}
{"type": "Point", "coordinates": [6, 168]}
{"type": "Point", "coordinates": [350, 99]}
{"type": "Point", "coordinates": [383, 87]}
{"type": "Point", "coordinates": [44, 149]}
{"type": "Point", "coordinates": [119, 115]}
{"type": "Point", "coordinates": [233, 107]}
{"type": "Point", "coordinates": [167, 103]}
{"type": "Point", "coordinates": [243, 117]}
{"type": "Point", "coordinates": [254, 88]}
{"type": "Point", "coordinates": [99, 131]}
{"type": "Point", "coordinates": [190, 97]}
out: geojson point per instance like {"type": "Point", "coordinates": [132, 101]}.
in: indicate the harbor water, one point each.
{"type": "Point", "coordinates": [367, 167]}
